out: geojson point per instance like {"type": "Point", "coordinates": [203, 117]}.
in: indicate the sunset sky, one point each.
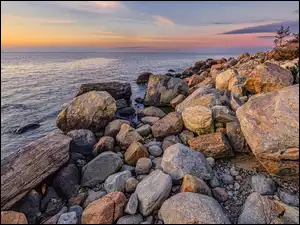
{"type": "Point", "coordinates": [143, 26]}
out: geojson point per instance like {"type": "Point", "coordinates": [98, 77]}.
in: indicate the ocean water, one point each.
{"type": "Point", "coordinates": [34, 86]}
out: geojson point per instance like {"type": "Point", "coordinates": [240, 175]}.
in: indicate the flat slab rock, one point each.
{"type": "Point", "coordinates": [27, 167]}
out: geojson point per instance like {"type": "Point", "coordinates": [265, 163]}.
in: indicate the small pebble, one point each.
{"type": "Point", "coordinates": [237, 185]}
{"type": "Point", "coordinates": [211, 161]}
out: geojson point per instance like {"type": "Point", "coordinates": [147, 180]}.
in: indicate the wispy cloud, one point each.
{"type": "Point", "coordinates": [268, 28]}
{"type": "Point", "coordinates": [160, 20]}
{"type": "Point", "coordinates": [56, 21]}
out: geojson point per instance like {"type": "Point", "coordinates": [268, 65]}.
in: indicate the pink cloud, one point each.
{"type": "Point", "coordinates": [160, 20]}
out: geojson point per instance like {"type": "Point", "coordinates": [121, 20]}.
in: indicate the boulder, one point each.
{"type": "Point", "coordinates": [289, 199]}
{"type": "Point", "coordinates": [105, 210]}
{"type": "Point", "coordinates": [222, 114]}
{"type": "Point", "coordinates": [113, 128]}
{"type": "Point", "coordinates": [263, 185]}
{"type": "Point", "coordinates": [268, 77]}
{"type": "Point", "coordinates": [246, 68]}
{"type": "Point", "coordinates": [20, 171]}
{"type": "Point", "coordinates": [198, 119]}
{"type": "Point", "coordinates": [162, 89]}
{"type": "Point", "coordinates": [178, 99]}
{"type": "Point", "coordinates": [213, 145]}
{"type": "Point", "coordinates": [192, 208]}
{"type": "Point", "coordinates": [170, 140]}
{"type": "Point", "coordinates": [67, 180]}
{"type": "Point", "coordinates": [195, 79]}
{"type": "Point", "coordinates": [151, 111]}
{"type": "Point", "coordinates": [168, 125]}
{"type": "Point", "coordinates": [152, 191]}
{"type": "Point", "coordinates": [194, 184]}
{"type": "Point", "coordinates": [143, 78]}
{"type": "Point", "coordinates": [117, 90]}
{"type": "Point", "coordinates": [11, 217]}
{"type": "Point", "coordinates": [235, 137]}
{"type": "Point", "coordinates": [97, 170]}
{"type": "Point", "coordinates": [92, 110]}
{"type": "Point", "coordinates": [116, 182]}
{"type": "Point", "coordinates": [220, 194]}
{"type": "Point", "coordinates": [82, 142]}
{"type": "Point", "coordinates": [260, 209]}
{"type": "Point", "coordinates": [223, 79]}
{"type": "Point", "coordinates": [270, 124]}
{"type": "Point", "coordinates": [204, 96]}
{"type": "Point", "coordinates": [121, 104]}
{"type": "Point", "coordinates": [105, 143]}
{"type": "Point", "coordinates": [179, 160]}
{"type": "Point", "coordinates": [150, 120]}
{"type": "Point", "coordinates": [134, 152]}
{"type": "Point", "coordinates": [127, 135]}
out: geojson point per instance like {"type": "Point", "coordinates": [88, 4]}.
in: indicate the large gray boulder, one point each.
{"type": "Point", "coordinates": [192, 208]}
{"type": "Point", "coordinates": [179, 160]}
{"type": "Point", "coordinates": [117, 90]}
{"type": "Point", "coordinates": [263, 185]}
{"type": "Point", "coordinates": [97, 170]}
{"type": "Point", "coordinates": [152, 191]}
{"type": "Point", "coordinates": [92, 110]}
{"type": "Point", "coordinates": [260, 209]}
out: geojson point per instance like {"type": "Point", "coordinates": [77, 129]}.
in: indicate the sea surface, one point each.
{"type": "Point", "coordinates": [34, 86]}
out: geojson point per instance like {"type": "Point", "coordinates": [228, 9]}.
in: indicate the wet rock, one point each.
{"type": "Point", "coordinates": [116, 182]}
{"type": "Point", "coordinates": [153, 191]}
{"type": "Point", "coordinates": [121, 103]}
{"type": "Point", "coordinates": [126, 111]}
{"type": "Point", "coordinates": [99, 109]}
{"type": "Point", "coordinates": [143, 78]}
{"type": "Point", "coordinates": [117, 90]}
{"type": "Point", "coordinates": [184, 208]}
{"type": "Point", "coordinates": [23, 128]}
{"type": "Point", "coordinates": [97, 170]}
{"type": "Point", "coordinates": [105, 143]}
{"type": "Point", "coordinates": [263, 185]}
{"type": "Point", "coordinates": [139, 100]}
{"type": "Point", "coordinates": [179, 160]}
{"type": "Point", "coordinates": [134, 152]}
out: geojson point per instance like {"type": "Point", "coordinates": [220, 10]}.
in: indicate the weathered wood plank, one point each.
{"type": "Point", "coordinates": [26, 168]}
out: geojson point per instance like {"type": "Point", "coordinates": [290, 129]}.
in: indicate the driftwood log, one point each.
{"type": "Point", "coordinates": [29, 166]}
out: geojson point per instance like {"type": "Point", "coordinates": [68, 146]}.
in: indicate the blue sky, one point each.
{"type": "Point", "coordinates": [144, 26]}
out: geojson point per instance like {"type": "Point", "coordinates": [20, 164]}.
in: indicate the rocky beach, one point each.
{"type": "Point", "coordinates": [216, 144]}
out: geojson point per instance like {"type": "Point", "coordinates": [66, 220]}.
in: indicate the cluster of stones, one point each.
{"type": "Point", "coordinates": [103, 169]}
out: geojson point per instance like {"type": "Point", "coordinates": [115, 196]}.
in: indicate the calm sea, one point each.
{"type": "Point", "coordinates": [35, 85]}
